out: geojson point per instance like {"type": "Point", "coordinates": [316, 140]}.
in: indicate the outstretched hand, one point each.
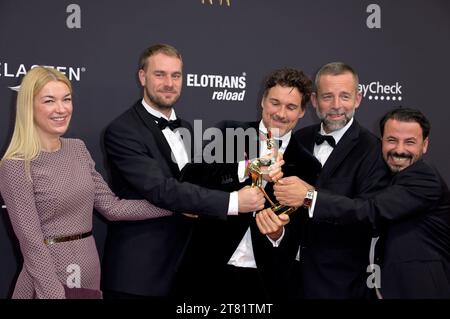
{"type": "Point", "coordinates": [275, 172]}
{"type": "Point", "coordinates": [271, 224]}
{"type": "Point", "coordinates": [291, 191]}
{"type": "Point", "coordinates": [250, 199]}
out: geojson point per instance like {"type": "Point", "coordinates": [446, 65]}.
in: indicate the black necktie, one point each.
{"type": "Point", "coordinates": [321, 138]}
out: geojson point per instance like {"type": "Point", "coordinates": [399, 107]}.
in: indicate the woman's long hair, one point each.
{"type": "Point", "coordinates": [25, 144]}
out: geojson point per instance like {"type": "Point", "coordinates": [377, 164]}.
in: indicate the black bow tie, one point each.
{"type": "Point", "coordinates": [321, 138]}
{"type": "Point", "coordinates": [172, 124]}
{"type": "Point", "coordinates": [163, 123]}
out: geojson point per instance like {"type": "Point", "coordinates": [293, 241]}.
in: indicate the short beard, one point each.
{"type": "Point", "coordinates": [396, 169]}
{"type": "Point", "coordinates": [160, 103]}
{"type": "Point", "coordinates": [331, 126]}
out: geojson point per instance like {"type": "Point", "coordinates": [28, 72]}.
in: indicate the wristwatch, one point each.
{"type": "Point", "coordinates": [307, 202]}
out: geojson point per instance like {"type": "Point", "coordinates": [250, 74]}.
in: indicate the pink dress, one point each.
{"type": "Point", "coordinates": [58, 201]}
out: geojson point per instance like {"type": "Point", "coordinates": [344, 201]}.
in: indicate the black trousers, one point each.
{"type": "Point", "coordinates": [225, 284]}
{"type": "Point", "coordinates": [243, 284]}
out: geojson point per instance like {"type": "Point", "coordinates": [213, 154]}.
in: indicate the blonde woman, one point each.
{"type": "Point", "coordinates": [50, 187]}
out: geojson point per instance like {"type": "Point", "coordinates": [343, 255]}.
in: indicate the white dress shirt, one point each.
{"type": "Point", "coordinates": [323, 151]}
{"type": "Point", "coordinates": [243, 255]}
{"type": "Point", "coordinates": [173, 138]}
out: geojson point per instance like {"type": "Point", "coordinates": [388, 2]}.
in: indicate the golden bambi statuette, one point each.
{"type": "Point", "coordinates": [260, 166]}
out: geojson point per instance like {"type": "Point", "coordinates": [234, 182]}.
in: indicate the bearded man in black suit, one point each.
{"type": "Point", "coordinates": [412, 214]}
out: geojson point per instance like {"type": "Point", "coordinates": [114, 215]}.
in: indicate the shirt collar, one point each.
{"type": "Point", "coordinates": [338, 133]}
{"type": "Point", "coordinates": [158, 114]}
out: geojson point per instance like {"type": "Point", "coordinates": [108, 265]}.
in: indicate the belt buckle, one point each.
{"type": "Point", "coordinates": [50, 241]}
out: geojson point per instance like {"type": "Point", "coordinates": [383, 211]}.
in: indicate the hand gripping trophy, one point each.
{"type": "Point", "coordinates": [260, 166]}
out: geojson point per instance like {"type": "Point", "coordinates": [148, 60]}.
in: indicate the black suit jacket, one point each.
{"type": "Point", "coordinates": [334, 257]}
{"type": "Point", "coordinates": [414, 216]}
{"type": "Point", "coordinates": [214, 242]}
{"type": "Point", "coordinates": [142, 257]}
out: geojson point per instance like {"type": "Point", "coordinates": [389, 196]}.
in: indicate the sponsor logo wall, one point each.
{"type": "Point", "coordinates": [399, 49]}
{"type": "Point", "coordinates": [224, 87]}
{"type": "Point", "coordinates": [384, 92]}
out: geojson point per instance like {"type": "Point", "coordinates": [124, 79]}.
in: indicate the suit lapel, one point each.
{"type": "Point", "coordinates": [254, 125]}
{"type": "Point", "coordinates": [238, 225]}
{"type": "Point", "coordinates": [340, 152]}
{"type": "Point", "coordinates": [160, 139]}
{"type": "Point", "coordinates": [188, 140]}
{"type": "Point", "coordinates": [301, 162]}
{"type": "Point", "coordinates": [307, 140]}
